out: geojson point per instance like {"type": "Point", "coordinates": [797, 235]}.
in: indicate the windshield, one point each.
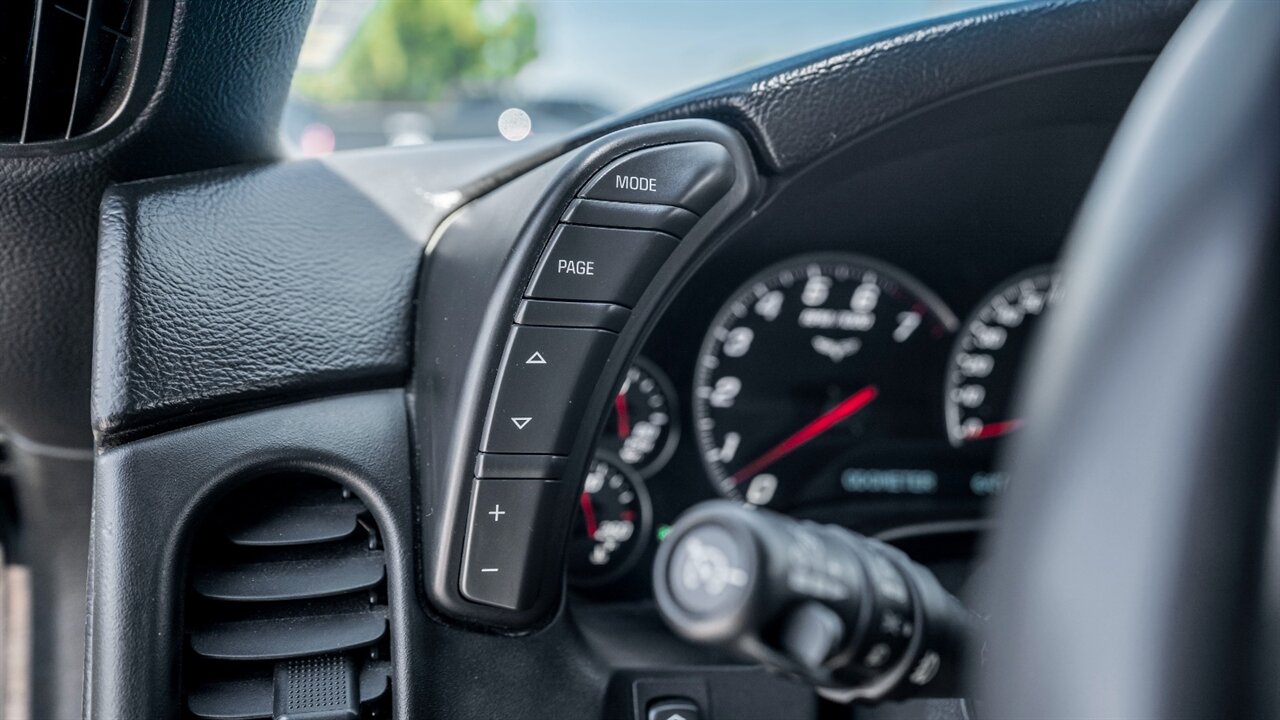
{"type": "Point", "coordinates": [400, 72]}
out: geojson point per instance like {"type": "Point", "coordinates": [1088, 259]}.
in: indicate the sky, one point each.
{"type": "Point", "coordinates": [626, 53]}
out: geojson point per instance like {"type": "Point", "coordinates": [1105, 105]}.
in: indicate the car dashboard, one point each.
{"type": "Point", "coordinates": [390, 361]}
{"type": "Point", "coordinates": [848, 356]}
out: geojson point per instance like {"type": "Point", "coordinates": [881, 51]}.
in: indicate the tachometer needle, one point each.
{"type": "Point", "coordinates": [588, 513]}
{"type": "Point", "coordinates": [994, 430]}
{"type": "Point", "coordinates": [624, 417]}
{"type": "Point", "coordinates": [824, 422]}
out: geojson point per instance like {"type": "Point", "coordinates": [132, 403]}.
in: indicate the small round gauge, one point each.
{"type": "Point", "coordinates": [612, 525]}
{"type": "Point", "coordinates": [988, 355]}
{"type": "Point", "coordinates": [809, 359]}
{"type": "Point", "coordinates": [642, 429]}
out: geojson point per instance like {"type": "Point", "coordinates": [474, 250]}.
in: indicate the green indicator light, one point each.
{"type": "Point", "coordinates": [663, 532]}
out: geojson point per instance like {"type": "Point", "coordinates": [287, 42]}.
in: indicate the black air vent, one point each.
{"type": "Point", "coordinates": [62, 66]}
{"type": "Point", "coordinates": [286, 606]}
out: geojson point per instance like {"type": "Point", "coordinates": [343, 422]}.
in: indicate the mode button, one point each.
{"type": "Point", "coordinates": [690, 175]}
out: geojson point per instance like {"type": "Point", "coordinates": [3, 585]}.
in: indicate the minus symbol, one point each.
{"type": "Point", "coordinates": [488, 569]}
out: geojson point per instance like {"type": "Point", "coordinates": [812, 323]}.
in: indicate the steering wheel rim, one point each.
{"type": "Point", "coordinates": [1123, 577]}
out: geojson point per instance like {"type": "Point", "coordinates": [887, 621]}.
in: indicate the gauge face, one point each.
{"type": "Point", "coordinates": [988, 354]}
{"type": "Point", "coordinates": [806, 360]}
{"type": "Point", "coordinates": [642, 429]}
{"type": "Point", "coordinates": [611, 526]}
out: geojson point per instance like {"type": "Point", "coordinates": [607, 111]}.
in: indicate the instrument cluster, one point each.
{"type": "Point", "coordinates": [827, 385]}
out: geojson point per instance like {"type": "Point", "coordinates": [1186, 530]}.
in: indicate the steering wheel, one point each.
{"type": "Point", "coordinates": [1132, 574]}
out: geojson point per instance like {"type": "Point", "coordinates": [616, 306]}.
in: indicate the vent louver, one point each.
{"type": "Point", "coordinates": [63, 66]}
{"type": "Point", "coordinates": [286, 611]}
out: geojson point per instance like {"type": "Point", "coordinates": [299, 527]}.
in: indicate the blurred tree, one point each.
{"type": "Point", "coordinates": [419, 50]}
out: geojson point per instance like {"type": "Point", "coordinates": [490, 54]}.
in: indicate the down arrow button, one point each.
{"type": "Point", "coordinates": [542, 386]}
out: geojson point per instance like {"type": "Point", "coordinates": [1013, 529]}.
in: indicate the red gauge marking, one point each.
{"type": "Point", "coordinates": [824, 422]}
{"type": "Point", "coordinates": [624, 416]}
{"type": "Point", "coordinates": [589, 513]}
{"type": "Point", "coordinates": [995, 429]}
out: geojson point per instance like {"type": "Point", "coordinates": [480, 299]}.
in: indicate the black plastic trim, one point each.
{"type": "Point", "coordinates": [144, 62]}
{"type": "Point", "coordinates": [645, 216]}
{"type": "Point", "coordinates": [534, 467]}
{"type": "Point", "coordinates": [291, 580]}
{"type": "Point", "coordinates": [151, 494]}
{"type": "Point", "coordinates": [296, 526]}
{"type": "Point", "coordinates": [566, 313]}
{"type": "Point", "coordinates": [278, 639]}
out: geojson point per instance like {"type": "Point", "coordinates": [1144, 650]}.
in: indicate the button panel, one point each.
{"type": "Point", "coordinates": [595, 264]}
{"type": "Point", "coordinates": [543, 383]}
{"type": "Point", "coordinates": [506, 540]}
{"type": "Point", "coordinates": [612, 240]}
{"type": "Point", "coordinates": [688, 175]}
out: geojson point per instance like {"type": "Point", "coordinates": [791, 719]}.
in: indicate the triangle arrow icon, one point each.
{"type": "Point", "coordinates": [536, 359]}
{"type": "Point", "coordinates": [521, 422]}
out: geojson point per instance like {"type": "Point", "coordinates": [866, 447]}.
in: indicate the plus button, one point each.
{"type": "Point", "coordinates": [496, 512]}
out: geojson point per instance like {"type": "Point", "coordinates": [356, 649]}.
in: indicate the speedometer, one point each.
{"type": "Point", "coordinates": [988, 355]}
{"type": "Point", "coordinates": [807, 359]}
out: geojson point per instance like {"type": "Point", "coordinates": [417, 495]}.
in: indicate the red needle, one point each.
{"type": "Point", "coordinates": [589, 513]}
{"type": "Point", "coordinates": [624, 418]}
{"type": "Point", "coordinates": [821, 424]}
{"type": "Point", "coordinates": [994, 430]}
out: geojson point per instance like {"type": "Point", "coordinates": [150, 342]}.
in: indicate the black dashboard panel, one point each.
{"type": "Point", "coordinates": [803, 109]}
{"type": "Point", "coordinates": [895, 148]}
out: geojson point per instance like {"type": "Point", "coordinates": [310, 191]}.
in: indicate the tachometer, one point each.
{"type": "Point", "coordinates": [807, 359]}
{"type": "Point", "coordinates": [988, 354]}
{"type": "Point", "coordinates": [612, 525]}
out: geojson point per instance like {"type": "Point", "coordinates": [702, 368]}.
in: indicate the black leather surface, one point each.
{"type": "Point", "coordinates": [219, 88]}
{"type": "Point", "coordinates": [223, 289]}
{"type": "Point", "coordinates": [797, 110]}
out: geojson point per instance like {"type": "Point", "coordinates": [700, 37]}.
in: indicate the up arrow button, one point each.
{"type": "Point", "coordinates": [544, 379]}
